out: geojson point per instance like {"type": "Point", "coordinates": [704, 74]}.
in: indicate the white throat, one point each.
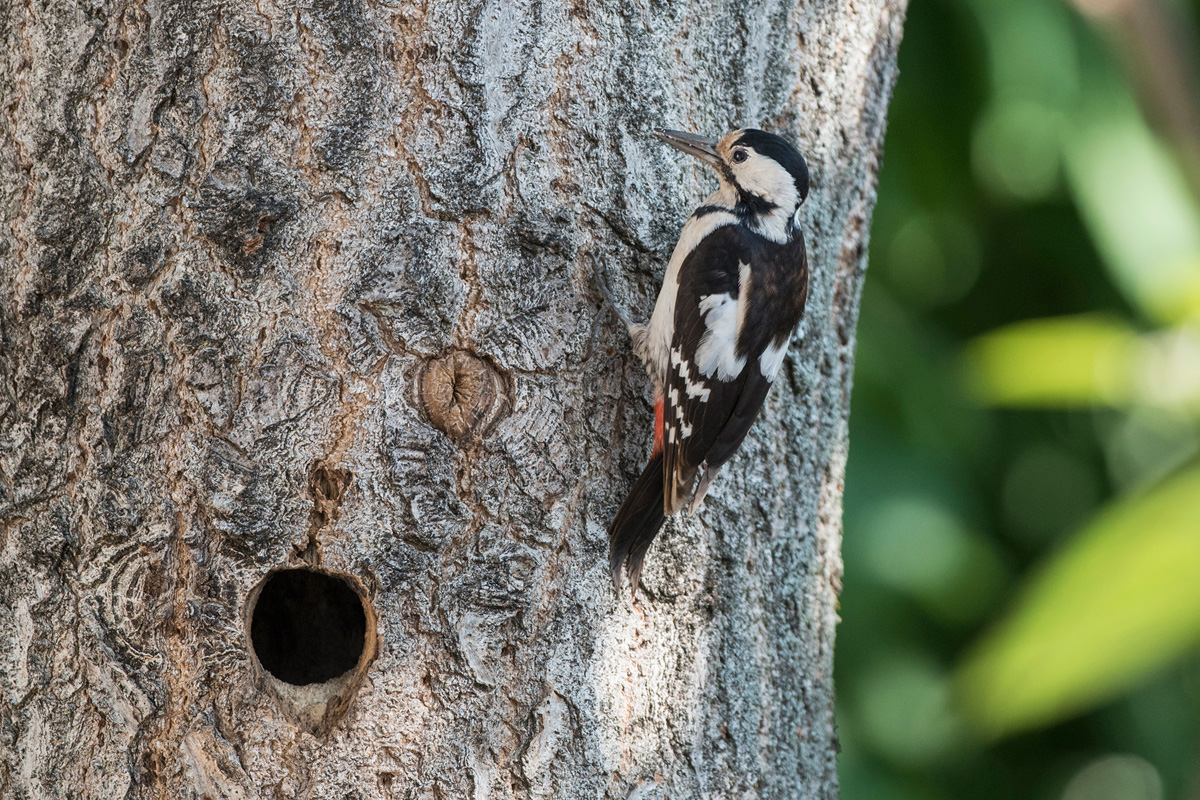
{"type": "Point", "coordinates": [774, 225]}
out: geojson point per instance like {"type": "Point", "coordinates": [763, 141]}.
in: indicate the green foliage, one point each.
{"type": "Point", "coordinates": [1119, 600]}
{"type": "Point", "coordinates": [1136, 206]}
{"type": "Point", "coordinates": [1067, 361]}
{"type": "Point", "coordinates": [1022, 593]}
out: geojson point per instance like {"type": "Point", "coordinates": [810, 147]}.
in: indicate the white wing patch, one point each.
{"type": "Point", "coordinates": [743, 294]}
{"type": "Point", "coordinates": [717, 353]}
{"type": "Point", "coordinates": [723, 320]}
{"type": "Point", "coordinates": [661, 327]}
{"type": "Point", "coordinates": [772, 359]}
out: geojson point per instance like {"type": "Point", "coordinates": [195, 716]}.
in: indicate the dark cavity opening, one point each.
{"type": "Point", "coordinates": [307, 626]}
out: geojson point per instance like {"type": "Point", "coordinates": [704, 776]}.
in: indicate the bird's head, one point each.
{"type": "Point", "coordinates": [766, 173]}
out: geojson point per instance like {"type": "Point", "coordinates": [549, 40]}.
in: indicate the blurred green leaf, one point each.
{"type": "Point", "coordinates": [1121, 600]}
{"type": "Point", "coordinates": [1169, 369]}
{"type": "Point", "coordinates": [1137, 206]}
{"type": "Point", "coordinates": [1032, 51]}
{"type": "Point", "coordinates": [1066, 361]}
{"type": "Point", "coordinates": [1146, 445]}
{"type": "Point", "coordinates": [1086, 360]}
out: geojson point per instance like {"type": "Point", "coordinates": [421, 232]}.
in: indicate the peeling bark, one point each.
{"type": "Point", "coordinates": [311, 285]}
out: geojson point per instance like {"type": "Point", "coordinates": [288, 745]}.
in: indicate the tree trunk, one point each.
{"type": "Point", "coordinates": [313, 287]}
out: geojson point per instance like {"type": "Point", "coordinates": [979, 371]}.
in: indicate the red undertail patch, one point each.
{"type": "Point", "coordinates": [658, 428]}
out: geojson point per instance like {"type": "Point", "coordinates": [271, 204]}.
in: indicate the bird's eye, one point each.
{"type": "Point", "coordinates": [739, 156]}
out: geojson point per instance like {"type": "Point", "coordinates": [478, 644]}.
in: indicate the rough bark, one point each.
{"type": "Point", "coordinates": [312, 284]}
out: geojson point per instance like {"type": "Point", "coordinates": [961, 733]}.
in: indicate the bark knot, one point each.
{"type": "Point", "coordinates": [462, 395]}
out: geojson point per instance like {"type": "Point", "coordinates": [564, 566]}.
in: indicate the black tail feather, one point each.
{"type": "Point", "coordinates": [636, 524]}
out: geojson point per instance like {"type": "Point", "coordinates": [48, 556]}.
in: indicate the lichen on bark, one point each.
{"type": "Point", "coordinates": [238, 239]}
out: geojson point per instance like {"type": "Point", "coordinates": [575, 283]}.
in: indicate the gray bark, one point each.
{"type": "Point", "coordinates": [312, 284]}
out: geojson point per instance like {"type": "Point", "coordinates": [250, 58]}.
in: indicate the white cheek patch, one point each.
{"type": "Point", "coordinates": [772, 359]}
{"type": "Point", "coordinates": [762, 176]}
{"type": "Point", "coordinates": [717, 353]}
{"type": "Point", "coordinates": [779, 186]}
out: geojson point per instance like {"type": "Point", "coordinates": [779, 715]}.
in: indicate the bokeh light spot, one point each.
{"type": "Point", "coordinates": [1119, 777]}
{"type": "Point", "coordinates": [1046, 492]}
{"type": "Point", "coordinates": [915, 544]}
{"type": "Point", "coordinates": [905, 711]}
{"type": "Point", "coordinates": [933, 259]}
{"type": "Point", "coordinates": [1015, 150]}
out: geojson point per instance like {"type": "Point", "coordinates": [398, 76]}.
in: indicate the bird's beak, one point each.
{"type": "Point", "coordinates": [701, 147]}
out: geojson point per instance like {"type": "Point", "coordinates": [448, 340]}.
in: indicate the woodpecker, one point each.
{"type": "Point", "coordinates": [733, 293]}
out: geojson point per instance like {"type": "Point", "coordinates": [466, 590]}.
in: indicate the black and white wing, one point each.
{"type": "Point", "coordinates": [738, 301]}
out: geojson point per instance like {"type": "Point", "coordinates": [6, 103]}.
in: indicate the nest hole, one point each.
{"type": "Point", "coordinates": [307, 626]}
